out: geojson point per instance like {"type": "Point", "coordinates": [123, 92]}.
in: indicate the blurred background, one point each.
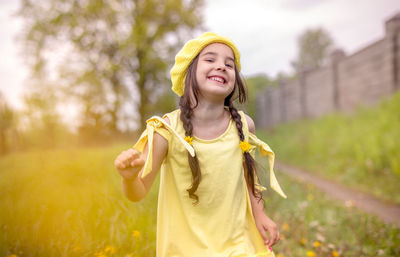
{"type": "Point", "coordinates": [78, 79]}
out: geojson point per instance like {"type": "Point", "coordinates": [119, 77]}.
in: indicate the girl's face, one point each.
{"type": "Point", "coordinates": [215, 74]}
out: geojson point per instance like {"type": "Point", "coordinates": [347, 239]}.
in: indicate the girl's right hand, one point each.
{"type": "Point", "coordinates": [129, 163]}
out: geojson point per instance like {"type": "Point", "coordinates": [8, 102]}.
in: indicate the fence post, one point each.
{"type": "Point", "coordinates": [336, 56]}
{"type": "Point", "coordinates": [393, 35]}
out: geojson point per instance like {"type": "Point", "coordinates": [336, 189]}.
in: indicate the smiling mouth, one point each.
{"type": "Point", "coordinates": [217, 79]}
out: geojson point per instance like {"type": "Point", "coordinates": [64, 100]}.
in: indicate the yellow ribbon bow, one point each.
{"type": "Point", "coordinates": [153, 124]}
{"type": "Point", "coordinates": [266, 150]}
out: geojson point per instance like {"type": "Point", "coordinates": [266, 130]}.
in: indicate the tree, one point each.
{"type": "Point", "coordinates": [6, 122]}
{"type": "Point", "coordinates": [42, 123]}
{"type": "Point", "coordinates": [314, 46]}
{"type": "Point", "coordinates": [112, 49]}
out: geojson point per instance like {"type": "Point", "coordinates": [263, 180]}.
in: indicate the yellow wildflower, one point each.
{"type": "Point", "coordinates": [12, 255]}
{"type": "Point", "coordinates": [310, 197]}
{"type": "Point", "coordinates": [285, 227]}
{"type": "Point", "coordinates": [110, 249]}
{"type": "Point", "coordinates": [136, 234]}
{"type": "Point", "coordinates": [245, 146]}
{"type": "Point", "coordinates": [317, 244]}
{"type": "Point", "coordinates": [189, 139]}
{"type": "Point", "coordinates": [303, 241]}
{"type": "Point", "coordinates": [311, 254]}
{"type": "Point", "coordinates": [335, 253]}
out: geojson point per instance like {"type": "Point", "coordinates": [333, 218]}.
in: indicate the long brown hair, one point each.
{"type": "Point", "coordinates": [186, 104]}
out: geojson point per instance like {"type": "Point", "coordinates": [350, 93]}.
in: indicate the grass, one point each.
{"type": "Point", "coordinates": [311, 224]}
{"type": "Point", "coordinates": [69, 203]}
{"type": "Point", "coordinates": [359, 150]}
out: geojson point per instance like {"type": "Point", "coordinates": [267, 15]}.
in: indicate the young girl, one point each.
{"type": "Point", "coordinates": [209, 197]}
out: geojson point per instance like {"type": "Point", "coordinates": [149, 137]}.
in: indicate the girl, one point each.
{"type": "Point", "coordinates": [209, 197]}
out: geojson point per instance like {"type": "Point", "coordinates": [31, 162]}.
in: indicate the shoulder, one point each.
{"type": "Point", "coordinates": [166, 119]}
{"type": "Point", "coordinates": [171, 116]}
{"type": "Point", "coordinates": [250, 123]}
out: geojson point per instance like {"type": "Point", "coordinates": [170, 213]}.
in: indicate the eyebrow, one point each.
{"type": "Point", "coordinates": [214, 53]}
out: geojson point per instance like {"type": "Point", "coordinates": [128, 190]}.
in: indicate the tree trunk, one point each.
{"type": "Point", "coordinates": [3, 142]}
{"type": "Point", "coordinates": [141, 84]}
{"type": "Point", "coordinates": [116, 86]}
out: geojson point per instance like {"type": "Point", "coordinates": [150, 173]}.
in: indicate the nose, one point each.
{"type": "Point", "coordinates": [220, 66]}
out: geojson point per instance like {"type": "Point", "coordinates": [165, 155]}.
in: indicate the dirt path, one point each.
{"type": "Point", "coordinates": [388, 213]}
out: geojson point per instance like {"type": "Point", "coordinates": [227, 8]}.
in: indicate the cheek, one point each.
{"type": "Point", "coordinates": [233, 76]}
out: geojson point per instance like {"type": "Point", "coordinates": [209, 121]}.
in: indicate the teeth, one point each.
{"type": "Point", "coordinates": [217, 79]}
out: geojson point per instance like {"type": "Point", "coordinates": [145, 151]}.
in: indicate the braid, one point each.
{"type": "Point", "coordinates": [250, 163]}
{"type": "Point", "coordinates": [238, 121]}
{"type": "Point", "coordinates": [186, 106]}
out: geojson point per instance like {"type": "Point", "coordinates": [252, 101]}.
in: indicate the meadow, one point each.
{"type": "Point", "coordinates": [68, 202]}
{"type": "Point", "coordinates": [360, 149]}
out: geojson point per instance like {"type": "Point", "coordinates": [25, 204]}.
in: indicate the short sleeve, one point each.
{"type": "Point", "coordinates": [265, 150]}
{"type": "Point", "coordinates": [157, 125]}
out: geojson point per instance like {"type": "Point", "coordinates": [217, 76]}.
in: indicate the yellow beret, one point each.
{"type": "Point", "coordinates": [189, 51]}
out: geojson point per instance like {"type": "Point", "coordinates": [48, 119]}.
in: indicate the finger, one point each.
{"type": "Point", "coordinates": [137, 162]}
{"type": "Point", "coordinates": [128, 156]}
{"type": "Point", "coordinates": [123, 160]}
{"type": "Point", "coordinates": [264, 236]}
{"type": "Point", "coordinates": [275, 239]}
{"type": "Point", "coordinates": [133, 152]}
{"type": "Point", "coordinates": [118, 164]}
{"type": "Point", "coordinates": [272, 233]}
{"type": "Point", "coordinates": [272, 242]}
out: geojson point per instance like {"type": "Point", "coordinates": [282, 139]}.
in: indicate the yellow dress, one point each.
{"type": "Point", "coordinates": [222, 223]}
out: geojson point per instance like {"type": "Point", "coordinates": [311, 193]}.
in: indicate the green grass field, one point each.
{"type": "Point", "coordinates": [69, 203]}
{"type": "Point", "coordinates": [359, 150]}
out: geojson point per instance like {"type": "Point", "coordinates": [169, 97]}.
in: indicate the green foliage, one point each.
{"type": "Point", "coordinates": [359, 150]}
{"type": "Point", "coordinates": [255, 85]}
{"type": "Point", "coordinates": [314, 46]}
{"type": "Point", "coordinates": [165, 103]}
{"type": "Point", "coordinates": [41, 124]}
{"type": "Point", "coordinates": [69, 203]}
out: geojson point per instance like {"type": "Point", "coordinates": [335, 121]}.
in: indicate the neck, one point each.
{"type": "Point", "coordinates": [209, 111]}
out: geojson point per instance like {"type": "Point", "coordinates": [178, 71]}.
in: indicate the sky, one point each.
{"type": "Point", "coordinates": [265, 31]}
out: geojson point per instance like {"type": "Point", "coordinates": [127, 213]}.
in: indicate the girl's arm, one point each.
{"type": "Point", "coordinates": [263, 222]}
{"type": "Point", "coordinates": [130, 166]}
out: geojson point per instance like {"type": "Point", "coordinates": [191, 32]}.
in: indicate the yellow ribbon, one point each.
{"type": "Point", "coordinates": [266, 150]}
{"type": "Point", "coordinates": [153, 124]}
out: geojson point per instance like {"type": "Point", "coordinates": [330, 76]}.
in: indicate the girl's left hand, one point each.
{"type": "Point", "coordinates": [265, 224]}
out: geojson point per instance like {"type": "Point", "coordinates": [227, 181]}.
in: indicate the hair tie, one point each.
{"type": "Point", "coordinates": [245, 146]}
{"type": "Point", "coordinates": [189, 139]}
